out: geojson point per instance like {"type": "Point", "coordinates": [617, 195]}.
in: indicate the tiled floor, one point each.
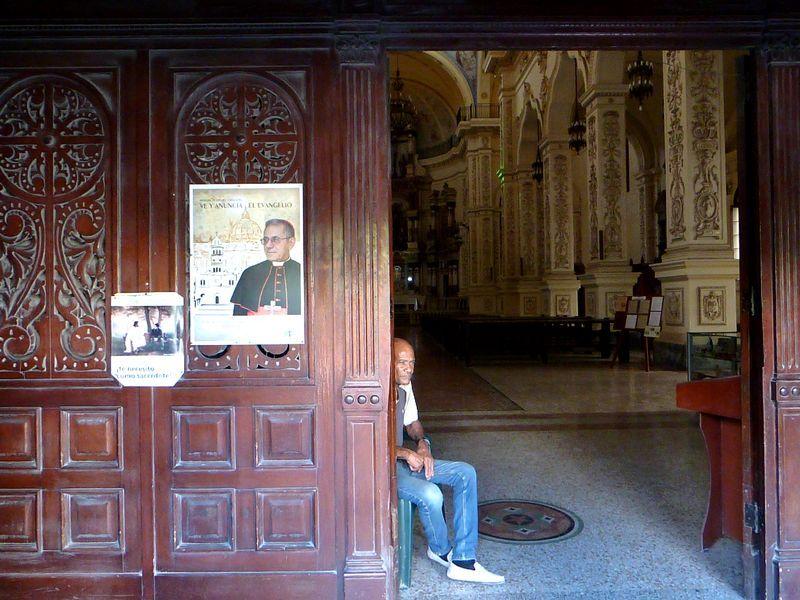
{"type": "Point", "coordinates": [607, 445]}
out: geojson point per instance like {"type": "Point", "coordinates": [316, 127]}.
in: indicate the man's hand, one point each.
{"type": "Point", "coordinates": [424, 451]}
{"type": "Point", "coordinates": [415, 461]}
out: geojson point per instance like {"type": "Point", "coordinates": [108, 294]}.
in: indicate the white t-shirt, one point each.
{"type": "Point", "coordinates": [410, 414]}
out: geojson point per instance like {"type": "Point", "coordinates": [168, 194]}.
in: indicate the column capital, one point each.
{"type": "Point", "coordinates": [550, 145]}
{"type": "Point", "coordinates": [604, 94]}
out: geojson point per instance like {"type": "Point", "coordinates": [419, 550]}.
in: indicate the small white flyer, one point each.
{"type": "Point", "coordinates": [147, 339]}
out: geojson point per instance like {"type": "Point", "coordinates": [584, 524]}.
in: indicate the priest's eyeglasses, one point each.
{"type": "Point", "coordinates": [275, 239]}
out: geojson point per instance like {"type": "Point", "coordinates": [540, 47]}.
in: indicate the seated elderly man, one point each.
{"type": "Point", "coordinates": [418, 474]}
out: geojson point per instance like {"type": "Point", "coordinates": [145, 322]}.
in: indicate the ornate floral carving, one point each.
{"type": "Point", "coordinates": [357, 49]}
{"type": "Point", "coordinates": [562, 213]}
{"type": "Point", "coordinates": [562, 305]}
{"type": "Point", "coordinates": [52, 139]}
{"type": "Point", "coordinates": [591, 141]}
{"type": "Point", "coordinates": [611, 302]}
{"type": "Point", "coordinates": [591, 304]}
{"type": "Point", "coordinates": [529, 227]}
{"type": "Point", "coordinates": [675, 148]}
{"type": "Point", "coordinates": [547, 224]}
{"type": "Point", "coordinates": [472, 193]}
{"type": "Point", "coordinates": [612, 185]}
{"type": "Point", "coordinates": [544, 92]}
{"type": "Point", "coordinates": [242, 131]}
{"type": "Point", "coordinates": [541, 264]}
{"type": "Point", "coordinates": [673, 306]}
{"type": "Point", "coordinates": [79, 282]}
{"type": "Point", "coordinates": [510, 238]}
{"type": "Point", "coordinates": [643, 220]}
{"type": "Point", "coordinates": [705, 143]}
{"type": "Point", "coordinates": [529, 305]}
{"type": "Point", "coordinates": [473, 252]}
{"type": "Point", "coordinates": [275, 358]}
{"type": "Point", "coordinates": [23, 297]}
{"type": "Point", "coordinates": [782, 48]}
{"type": "Point", "coordinates": [712, 305]}
{"type": "Point", "coordinates": [485, 176]}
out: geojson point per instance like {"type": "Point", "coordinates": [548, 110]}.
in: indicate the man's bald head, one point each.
{"type": "Point", "coordinates": [403, 361]}
{"type": "Point", "coordinates": [399, 344]}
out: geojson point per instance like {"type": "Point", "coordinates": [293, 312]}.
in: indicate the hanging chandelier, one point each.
{"type": "Point", "coordinates": [577, 128]}
{"type": "Point", "coordinates": [640, 76]}
{"type": "Point", "coordinates": [402, 114]}
{"type": "Point", "coordinates": [537, 166]}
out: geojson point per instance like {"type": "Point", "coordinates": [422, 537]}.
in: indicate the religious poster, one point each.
{"type": "Point", "coordinates": [147, 339]}
{"type": "Point", "coordinates": [246, 281]}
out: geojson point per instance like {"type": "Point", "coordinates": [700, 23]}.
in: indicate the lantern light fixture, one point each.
{"type": "Point", "coordinates": [640, 77]}
{"type": "Point", "coordinates": [577, 128]}
{"type": "Point", "coordinates": [537, 166]}
{"type": "Point", "coordinates": [402, 113]}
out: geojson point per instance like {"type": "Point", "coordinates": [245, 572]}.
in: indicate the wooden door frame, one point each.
{"type": "Point", "coordinates": [360, 32]}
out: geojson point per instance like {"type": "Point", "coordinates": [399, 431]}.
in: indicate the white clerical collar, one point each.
{"type": "Point", "coordinates": [276, 263]}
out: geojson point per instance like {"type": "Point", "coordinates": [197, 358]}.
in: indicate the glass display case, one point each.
{"type": "Point", "coordinates": [711, 355]}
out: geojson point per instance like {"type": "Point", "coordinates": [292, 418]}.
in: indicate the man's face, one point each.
{"type": "Point", "coordinates": [276, 243]}
{"type": "Point", "coordinates": [403, 365]}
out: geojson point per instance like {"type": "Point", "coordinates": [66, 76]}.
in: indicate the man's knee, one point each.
{"type": "Point", "coordinates": [431, 497]}
{"type": "Point", "coordinates": [467, 471]}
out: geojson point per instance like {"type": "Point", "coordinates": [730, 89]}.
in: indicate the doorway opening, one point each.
{"type": "Point", "coordinates": [535, 194]}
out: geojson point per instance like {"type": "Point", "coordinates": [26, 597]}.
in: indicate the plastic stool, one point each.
{"type": "Point", "coordinates": [405, 539]}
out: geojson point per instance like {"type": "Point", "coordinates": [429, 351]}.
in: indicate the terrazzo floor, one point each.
{"type": "Point", "coordinates": [606, 444]}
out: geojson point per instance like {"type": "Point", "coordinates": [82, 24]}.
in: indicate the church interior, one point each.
{"type": "Point", "coordinates": [534, 193]}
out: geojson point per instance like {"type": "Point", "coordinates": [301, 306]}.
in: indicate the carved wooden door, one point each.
{"type": "Point", "coordinates": [243, 446]}
{"type": "Point", "coordinates": [69, 435]}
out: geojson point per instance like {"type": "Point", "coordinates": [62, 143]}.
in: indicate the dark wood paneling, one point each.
{"type": "Point", "coordinates": [58, 587]}
{"type": "Point", "coordinates": [20, 521]}
{"type": "Point", "coordinates": [779, 99]}
{"type": "Point", "coordinates": [243, 477]}
{"type": "Point", "coordinates": [66, 129]}
{"type": "Point", "coordinates": [20, 438]}
{"type": "Point", "coordinates": [247, 586]}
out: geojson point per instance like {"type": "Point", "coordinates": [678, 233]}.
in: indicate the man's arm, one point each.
{"type": "Point", "coordinates": [417, 433]}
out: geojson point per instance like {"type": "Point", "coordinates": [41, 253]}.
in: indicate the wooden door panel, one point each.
{"type": "Point", "coordinates": [243, 474]}
{"type": "Point", "coordinates": [69, 499]}
{"type": "Point", "coordinates": [69, 435]}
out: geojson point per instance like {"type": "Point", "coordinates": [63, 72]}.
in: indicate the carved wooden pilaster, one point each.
{"type": "Point", "coordinates": [365, 295]}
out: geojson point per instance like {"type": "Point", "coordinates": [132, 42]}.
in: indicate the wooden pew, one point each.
{"type": "Point", "coordinates": [719, 403]}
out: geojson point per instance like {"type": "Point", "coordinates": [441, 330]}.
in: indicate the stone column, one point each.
{"type": "Point", "coordinates": [646, 184]}
{"type": "Point", "coordinates": [529, 284]}
{"type": "Point", "coordinates": [608, 273]}
{"type": "Point", "coordinates": [560, 286]}
{"type": "Point", "coordinates": [698, 272]}
{"type": "Point", "coordinates": [483, 219]}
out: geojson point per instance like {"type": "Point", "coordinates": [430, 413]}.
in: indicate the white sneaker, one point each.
{"type": "Point", "coordinates": [478, 575]}
{"type": "Point", "coordinates": [438, 559]}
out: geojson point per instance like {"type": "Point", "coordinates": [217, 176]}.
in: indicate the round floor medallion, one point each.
{"type": "Point", "coordinates": [526, 522]}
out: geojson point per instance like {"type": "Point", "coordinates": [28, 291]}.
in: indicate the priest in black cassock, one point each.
{"type": "Point", "coordinates": [271, 287]}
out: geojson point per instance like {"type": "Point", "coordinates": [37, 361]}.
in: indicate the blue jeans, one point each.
{"type": "Point", "coordinates": [426, 495]}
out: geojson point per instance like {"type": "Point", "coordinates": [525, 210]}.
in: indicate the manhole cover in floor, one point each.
{"type": "Point", "coordinates": [526, 522]}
